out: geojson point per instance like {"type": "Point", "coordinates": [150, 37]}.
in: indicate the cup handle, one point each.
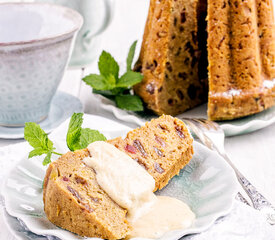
{"type": "Point", "coordinates": [107, 20]}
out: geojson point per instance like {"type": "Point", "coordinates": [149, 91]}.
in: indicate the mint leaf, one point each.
{"type": "Point", "coordinates": [39, 140]}
{"type": "Point", "coordinates": [111, 81]}
{"type": "Point", "coordinates": [88, 136]}
{"type": "Point", "coordinates": [129, 102]}
{"type": "Point", "coordinates": [79, 138]}
{"type": "Point", "coordinates": [107, 65]}
{"type": "Point", "coordinates": [37, 152]}
{"type": "Point", "coordinates": [36, 137]}
{"type": "Point", "coordinates": [47, 159]}
{"type": "Point", "coordinates": [99, 82]}
{"type": "Point", "coordinates": [111, 86]}
{"type": "Point", "coordinates": [129, 79]}
{"type": "Point", "coordinates": [131, 55]}
{"type": "Point", "coordinates": [74, 130]}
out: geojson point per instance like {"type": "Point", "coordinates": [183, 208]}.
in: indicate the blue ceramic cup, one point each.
{"type": "Point", "coordinates": [35, 44]}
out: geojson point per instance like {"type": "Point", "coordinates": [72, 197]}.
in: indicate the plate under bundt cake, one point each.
{"type": "Point", "coordinates": [238, 45]}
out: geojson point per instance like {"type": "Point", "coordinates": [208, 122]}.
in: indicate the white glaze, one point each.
{"type": "Point", "coordinates": [164, 215]}
{"type": "Point", "coordinates": [128, 184]}
{"type": "Point", "coordinates": [131, 187]}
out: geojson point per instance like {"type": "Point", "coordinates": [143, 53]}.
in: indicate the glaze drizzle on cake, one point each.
{"type": "Point", "coordinates": [131, 187]}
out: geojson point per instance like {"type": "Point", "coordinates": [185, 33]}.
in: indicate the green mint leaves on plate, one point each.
{"type": "Point", "coordinates": [116, 88]}
{"type": "Point", "coordinates": [128, 102]}
{"type": "Point", "coordinates": [77, 138]}
{"type": "Point", "coordinates": [39, 140]}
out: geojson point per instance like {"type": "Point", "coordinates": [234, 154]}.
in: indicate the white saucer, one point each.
{"type": "Point", "coordinates": [63, 106]}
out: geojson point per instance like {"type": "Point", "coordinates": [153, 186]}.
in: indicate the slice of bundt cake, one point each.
{"type": "Point", "coordinates": [73, 199]}
{"type": "Point", "coordinates": [163, 147]}
{"type": "Point", "coordinates": [169, 57]}
{"type": "Point", "coordinates": [241, 55]}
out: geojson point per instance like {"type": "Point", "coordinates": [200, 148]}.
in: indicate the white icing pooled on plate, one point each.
{"type": "Point", "coordinates": [131, 187]}
{"type": "Point", "coordinates": [166, 214]}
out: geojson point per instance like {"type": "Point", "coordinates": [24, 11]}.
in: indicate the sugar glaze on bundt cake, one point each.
{"type": "Point", "coordinates": [74, 200]}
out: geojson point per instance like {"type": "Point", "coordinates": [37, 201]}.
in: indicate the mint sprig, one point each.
{"type": "Point", "coordinates": [131, 55]}
{"type": "Point", "coordinates": [74, 131]}
{"type": "Point", "coordinates": [77, 138]}
{"type": "Point", "coordinates": [107, 65]}
{"type": "Point", "coordinates": [116, 88]}
{"type": "Point", "coordinates": [129, 102]}
{"type": "Point", "coordinates": [39, 140]}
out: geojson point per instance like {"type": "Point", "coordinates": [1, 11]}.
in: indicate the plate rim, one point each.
{"type": "Point", "coordinates": [9, 227]}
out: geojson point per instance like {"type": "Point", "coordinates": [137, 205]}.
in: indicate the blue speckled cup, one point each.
{"type": "Point", "coordinates": [35, 45]}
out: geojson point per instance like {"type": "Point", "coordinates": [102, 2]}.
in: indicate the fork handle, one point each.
{"type": "Point", "coordinates": [258, 200]}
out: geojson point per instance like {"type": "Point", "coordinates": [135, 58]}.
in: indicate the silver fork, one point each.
{"type": "Point", "coordinates": [212, 136]}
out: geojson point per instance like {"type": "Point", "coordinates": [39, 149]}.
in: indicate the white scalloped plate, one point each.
{"type": "Point", "coordinates": [207, 184]}
{"type": "Point", "coordinates": [231, 128]}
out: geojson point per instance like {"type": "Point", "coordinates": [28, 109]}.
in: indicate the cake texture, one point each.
{"type": "Point", "coordinates": [169, 57]}
{"type": "Point", "coordinates": [73, 199]}
{"type": "Point", "coordinates": [163, 147]}
{"type": "Point", "coordinates": [241, 55]}
{"type": "Point", "coordinates": [239, 49]}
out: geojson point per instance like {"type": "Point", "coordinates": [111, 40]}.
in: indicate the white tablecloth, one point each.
{"type": "Point", "coordinates": [253, 154]}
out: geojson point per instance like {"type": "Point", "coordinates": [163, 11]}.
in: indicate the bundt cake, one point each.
{"type": "Point", "coordinates": [73, 199]}
{"type": "Point", "coordinates": [241, 55]}
{"type": "Point", "coordinates": [169, 57]}
{"type": "Point", "coordinates": [240, 48]}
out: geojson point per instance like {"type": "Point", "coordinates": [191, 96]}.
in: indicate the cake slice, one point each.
{"type": "Point", "coordinates": [73, 199]}
{"type": "Point", "coordinates": [174, 77]}
{"type": "Point", "coordinates": [241, 55]}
